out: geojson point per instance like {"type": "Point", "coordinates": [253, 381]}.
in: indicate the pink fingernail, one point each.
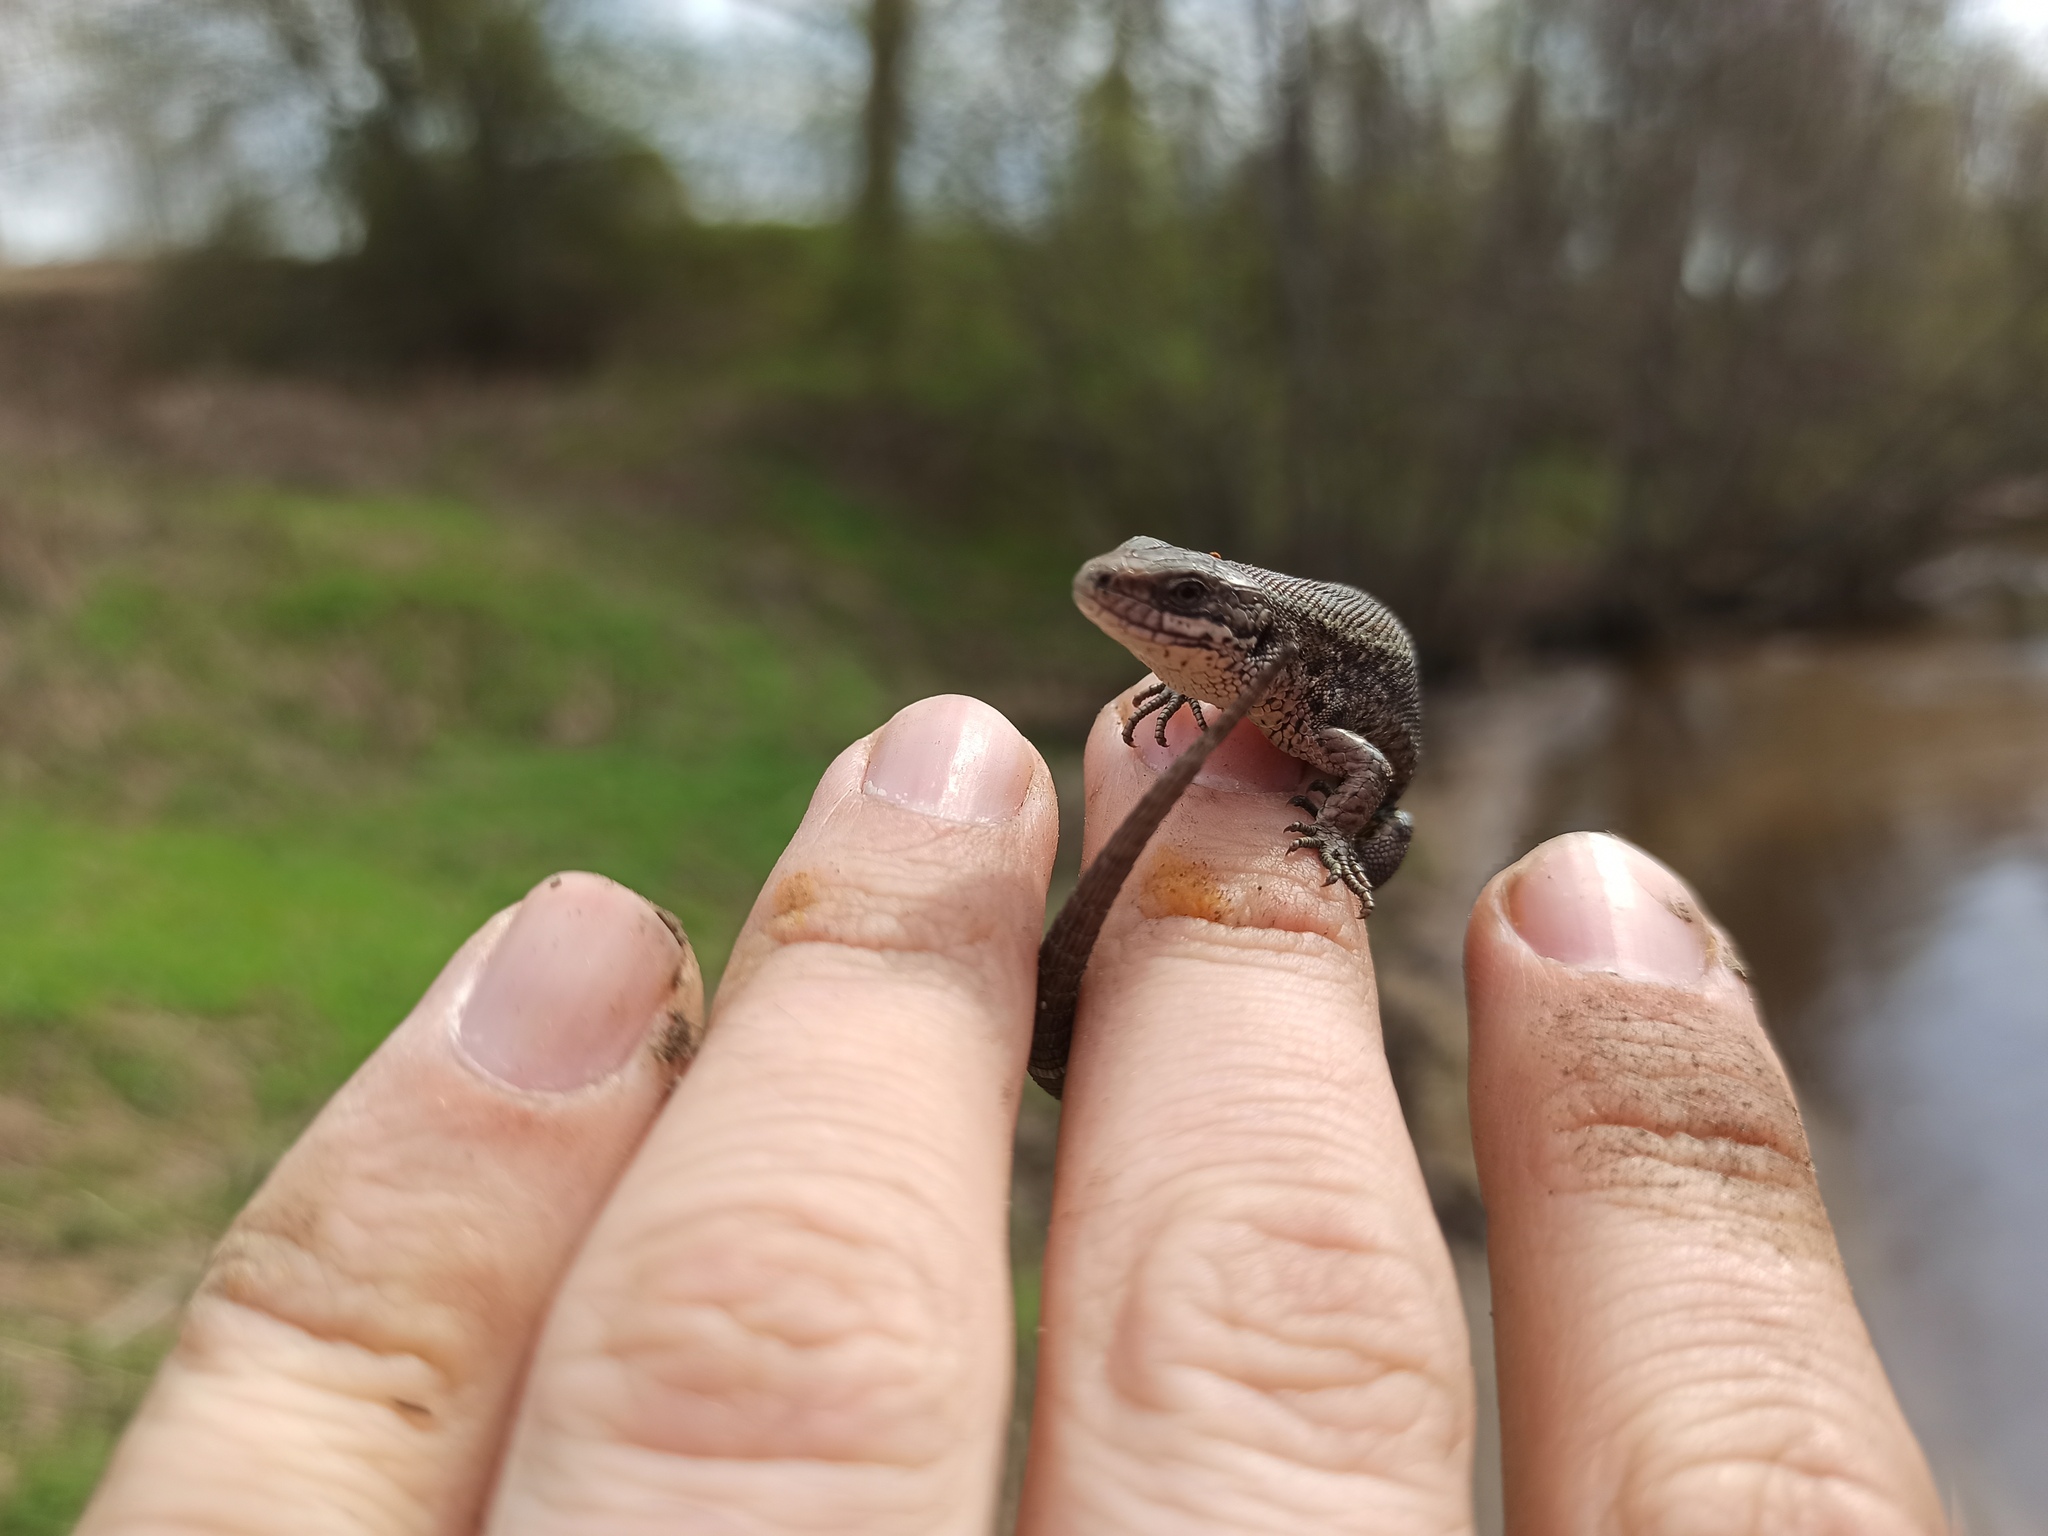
{"type": "Point", "coordinates": [574, 987]}
{"type": "Point", "coordinates": [951, 757]}
{"type": "Point", "coordinates": [1593, 901]}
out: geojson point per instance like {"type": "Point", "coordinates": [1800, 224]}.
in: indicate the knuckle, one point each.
{"type": "Point", "coordinates": [1237, 905]}
{"type": "Point", "coordinates": [822, 1329]}
{"type": "Point", "coordinates": [920, 902]}
{"type": "Point", "coordinates": [1801, 1444]}
{"type": "Point", "coordinates": [889, 905]}
{"type": "Point", "coordinates": [299, 1287]}
{"type": "Point", "coordinates": [958, 935]}
{"type": "Point", "coordinates": [1282, 1325]}
{"type": "Point", "coordinates": [1759, 1495]}
{"type": "Point", "coordinates": [1659, 1103]}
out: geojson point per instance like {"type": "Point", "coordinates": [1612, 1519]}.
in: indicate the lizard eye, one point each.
{"type": "Point", "coordinates": [1189, 589]}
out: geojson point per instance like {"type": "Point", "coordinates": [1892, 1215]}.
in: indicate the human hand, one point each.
{"type": "Point", "coordinates": [506, 1280]}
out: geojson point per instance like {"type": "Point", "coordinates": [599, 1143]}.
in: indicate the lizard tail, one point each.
{"type": "Point", "coordinates": [1063, 956]}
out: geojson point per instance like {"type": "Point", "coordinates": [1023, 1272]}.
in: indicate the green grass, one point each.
{"type": "Point", "coordinates": [337, 921]}
{"type": "Point", "coordinates": [213, 923]}
{"type": "Point", "coordinates": [362, 724]}
{"type": "Point", "coordinates": [270, 755]}
{"type": "Point", "coordinates": [55, 1484]}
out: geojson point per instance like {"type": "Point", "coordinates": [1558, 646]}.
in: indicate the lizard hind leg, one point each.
{"type": "Point", "coordinates": [1350, 815]}
{"type": "Point", "coordinates": [1384, 844]}
{"type": "Point", "coordinates": [1340, 858]}
{"type": "Point", "coordinates": [1364, 863]}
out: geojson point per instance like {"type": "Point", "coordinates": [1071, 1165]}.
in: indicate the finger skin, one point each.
{"type": "Point", "coordinates": [349, 1360]}
{"type": "Point", "coordinates": [1251, 1322]}
{"type": "Point", "coordinates": [795, 1315]}
{"type": "Point", "coordinates": [1679, 1351]}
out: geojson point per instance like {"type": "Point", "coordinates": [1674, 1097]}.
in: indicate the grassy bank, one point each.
{"type": "Point", "coordinates": [273, 743]}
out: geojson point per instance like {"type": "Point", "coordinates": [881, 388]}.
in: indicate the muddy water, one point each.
{"type": "Point", "coordinates": [1870, 820]}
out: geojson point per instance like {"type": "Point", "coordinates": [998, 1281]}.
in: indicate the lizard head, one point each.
{"type": "Point", "coordinates": [1196, 620]}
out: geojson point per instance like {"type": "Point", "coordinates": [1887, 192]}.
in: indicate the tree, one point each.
{"type": "Point", "coordinates": [875, 287]}
{"type": "Point", "coordinates": [475, 210]}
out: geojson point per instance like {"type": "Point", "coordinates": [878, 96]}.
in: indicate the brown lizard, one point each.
{"type": "Point", "coordinates": [1325, 671]}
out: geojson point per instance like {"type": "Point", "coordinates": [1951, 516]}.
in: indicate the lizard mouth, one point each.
{"type": "Point", "coordinates": [1128, 616]}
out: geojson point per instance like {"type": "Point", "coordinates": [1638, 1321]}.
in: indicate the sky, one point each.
{"type": "Point", "coordinates": [2024, 19]}
{"type": "Point", "coordinates": [59, 197]}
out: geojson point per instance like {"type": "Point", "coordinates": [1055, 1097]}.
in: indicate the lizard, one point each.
{"type": "Point", "coordinates": [1325, 671]}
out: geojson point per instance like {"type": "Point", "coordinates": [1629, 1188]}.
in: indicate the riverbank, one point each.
{"type": "Point", "coordinates": [297, 686]}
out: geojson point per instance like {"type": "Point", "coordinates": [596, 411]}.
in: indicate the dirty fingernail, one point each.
{"type": "Point", "coordinates": [1593, 901]}
{"type": "Point", "coordinates": [951, 757]}
{"type": "Point", "coordinates": [581, 977]}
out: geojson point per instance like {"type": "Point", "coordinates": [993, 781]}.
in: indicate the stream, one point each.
{"type": "Point", "coordinates": [1870, 821]}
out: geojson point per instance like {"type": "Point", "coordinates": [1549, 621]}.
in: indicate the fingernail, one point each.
{"type": "Point", "coordinates": [574, 987]}
{"type": "Point", "coordinates": [1598, 903]}
{"type": "Point", "coordinates": [1247, 761]}
{"type": "Point", "coordinates": [951, 757]}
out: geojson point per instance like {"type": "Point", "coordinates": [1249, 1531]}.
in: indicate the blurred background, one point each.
{"type": "Point", "coordinates": [443, 441]}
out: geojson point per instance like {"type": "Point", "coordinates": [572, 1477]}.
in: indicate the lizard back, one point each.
{"type": "Point", "coordinates": [1355, 668]}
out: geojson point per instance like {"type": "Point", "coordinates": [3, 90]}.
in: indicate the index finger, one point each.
{"type": "Point", "coordinates": [795, 1313]}
{"type": "Point", "coordinates": [1251, 1321]}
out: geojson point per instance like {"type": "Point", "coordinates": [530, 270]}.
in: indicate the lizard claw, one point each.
{"type": "Point", "coordinates": [1166, 703]}
{"type": "Point", "coordinates": [1142, 704]}
{"type": "Point", "coordinates": [1339, 857]}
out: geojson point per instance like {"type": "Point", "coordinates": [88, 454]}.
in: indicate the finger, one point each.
{"type": "Point", "coordinates": [795, 1314]}
{"type": "Point", "coordinates": [1251, 1321]}
{"type": "Point", "coordinates": [1679, 1350]}
{"type": "Point", "coordinates": [348, 1362]}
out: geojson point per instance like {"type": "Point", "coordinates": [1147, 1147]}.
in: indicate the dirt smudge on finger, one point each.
{"type": "Point", "coordinates": [1248, 895]}
{"type": "Point", "coordinates": [679, 1039]}
{"type": "Point", "coordinates": [1177, 886]}
{"type": "Point", "coordinates": [1660, 1101]}
{"type": "Point", "coordinates": [795, 894]}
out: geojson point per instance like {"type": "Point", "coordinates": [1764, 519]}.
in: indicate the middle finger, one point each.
{"type": "Point", "coordinates": [1251, 1319]}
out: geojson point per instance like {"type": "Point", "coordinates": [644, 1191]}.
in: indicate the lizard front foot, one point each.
{"type": "Point", "coordinates": [1321, 787]}
{"type": "Point", "coordinates": [1168, 702]}
{"type": "Point", "coordinates": [1339, 857]}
